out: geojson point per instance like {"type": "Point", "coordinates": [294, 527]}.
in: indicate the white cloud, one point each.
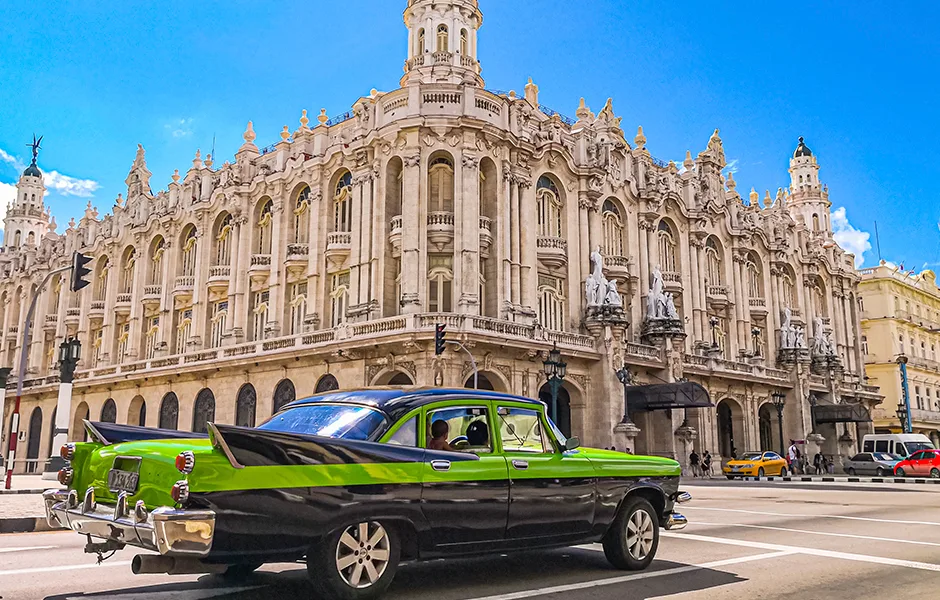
{"type": "Point", "coordinates": [732, 166]}
{"type": "Point", "coordinates": [848, 237]}
{"type": "Point", "coordinates": [180, 128]}
{"type": "Point", "coordinates": [70, 186]}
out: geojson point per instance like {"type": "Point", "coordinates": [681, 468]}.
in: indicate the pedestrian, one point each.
{"type": "Point", "coordinates": [818, 463]}
{"type": "Point", "coordinates": [693, 463]}
{"type": "Point", "coordinates": [793, 454]}
{"type": "Point", "coordinates": [707, 465]}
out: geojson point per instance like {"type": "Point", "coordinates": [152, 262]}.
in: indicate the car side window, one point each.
{"type": "Point", "coordinates": [521, 431]}
{"type": "Point", "coordinates": [917, 456]}
{"type": "Point", "coordinates": [771, 456]}
{"type": "Point", "coordinates": [460, 429]}
{"type": "Point", "coordinates": [407, 434]}
{"type": "Point", "coordinates": [856, 458]}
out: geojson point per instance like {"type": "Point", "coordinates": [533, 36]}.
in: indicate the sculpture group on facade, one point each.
{"type": "Point", "coordinates": [791, 336]}
{"type": "Point", "coordinates": [822, 340]}
{"type": "Point", "coordinates": [600, 293]}
{"type": "Point", "coordinates": [660, 304]}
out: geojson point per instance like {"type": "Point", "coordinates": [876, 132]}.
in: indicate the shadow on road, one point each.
{"type": "Point", "coordinates": [447, 580]}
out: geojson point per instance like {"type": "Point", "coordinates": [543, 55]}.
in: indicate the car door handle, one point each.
{"type": "Point", "coordinates": [440, 465]}
{"type": "Point", "coordinates": [521, 465]}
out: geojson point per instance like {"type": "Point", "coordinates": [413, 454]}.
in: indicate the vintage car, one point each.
{"type": "Point", "coordinates": [353, 483]}
{"type": "Point", "coordinates": [755, 464]}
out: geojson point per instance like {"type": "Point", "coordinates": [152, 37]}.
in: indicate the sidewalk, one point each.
{"type": "Point", "coordinates": [844, 479]}
{"type": "Point", "coordinates": [21, 508]}
{"type": "Point", "coordinates": [29, 484]}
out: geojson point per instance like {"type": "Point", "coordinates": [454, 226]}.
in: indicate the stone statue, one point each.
{"type": "Point", "coordinates": [787, 331]}
{"type": "Point", "coordinates": [598, 291]}
{"type": "Point", "coordinates": [800, 338]}
{"type": "Point", "coordinates": [659, 304]}
{"type": "Point", "coordinates": [670, 308]}
{"type": "Point", "coordinates": [612, 298]}
{"type": "Point", "coordinates": [822, 345]}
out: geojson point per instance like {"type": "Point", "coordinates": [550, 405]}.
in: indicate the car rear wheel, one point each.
{"type": "Point", "coordinates": [899, 472]}
{"type": "Point", "coordinates": [880, 472]}
{"type": "Point", "coordinates": [357, 562]}
{"type": "Point", "coordinates": [935, 473]}
{"type": "Point", "coordinates": [633, 538]}
{"type": "Point", "coordinates": [783, 471]}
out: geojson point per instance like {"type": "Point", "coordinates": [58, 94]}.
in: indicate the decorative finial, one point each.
{"type": "Point", "coordinates": [285, 133]}
{"type": "Point", "coordinates": [303, 119]}
{"type": "Point", "coordinates": [373, 93]}
{"type": "Point", "coordinates": [755, 197]}
{"type": "Point", "coordinates": [583, 111]}
{"type": "Point", "coordinates": [672, 166]}
{"type": "Point", "coordinates": [119, 201]}
{"type": "Point", "coordinates": [731, 182]}
{"type": "Point", "coordinates": [249, 135]}
{"type": "Point", "coordinates": [208, 160]}
{"type": "Point", "coordinates": [72, 223]}
{"type": "Point", "coordinates": [322, 118]}
{"type": "Point", "coordinates": [640, 139]}
{"type": "Point", "coordinates": [688, 163]}
{"type": "Point", "coordinates": [176, 175]}
{"type": "Point", "coordinates": [197, 162]}
{"type": "Point", "coordinates": [512, 94]}
{"type": "Point", "coordinates": [768, 201]}
{"type": "Point", "coordinates": [36, 148]}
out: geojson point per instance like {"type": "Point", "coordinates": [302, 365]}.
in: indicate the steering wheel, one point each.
{"type": "Point", "coordinates": [460, 441]}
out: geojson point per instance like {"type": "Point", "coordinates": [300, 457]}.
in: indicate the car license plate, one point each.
{"type": "Point", "coordinates": [122, 481]}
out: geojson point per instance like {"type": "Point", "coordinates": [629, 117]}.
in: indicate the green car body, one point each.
{"type": "Point", "coordinates": [277, 493]}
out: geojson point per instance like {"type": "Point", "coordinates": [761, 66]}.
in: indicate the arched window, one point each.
{"type": "Point", "coordinates": [667, 247]}
{"type": "Point", "coordinates": [16, 238]}
{"type": "Point", "coordinates": [339, 298]}
{"type": "Point", "coordinates": [548, 203]}
{"type": "Point", "coordinates": [342, 203]}
{"type": "Point", "coordinates": [755, 282]}
{"type": "Point", "coordinates": [188, 252]}
{"type": "Point", "coordinates": [302, 216]}
{"type": "Point", "coordinates": [815, 222]}
{"type": "Point", "coordinates": [259, 313]}
{"type": "Point", "coordinates": [157, 249]}
{"type": "Point", "coordinates": [127, 270]}
{"type": "Point", "coordinates": [169, 412]}
{"type": "Point", "coordinates": [713, 270]}
{"type": "Point", "coordinates": [109, 412]}
{"type": "Point", "coordinates": [298, 307]}
{"type": "Point", "coordinates": [613, 230]}
{"type": "Point", "coordinates": [442, 38]}
{"type": "Point", "coordinates": [30, 238]}
{"type": "Point", "coordinates": [284, 394]}
{"type": "Point", "coordinates": [421, 43]}
{"type": "Point", "coordinates": [265, 219]}
{"type": "Point", "coordinates": [101, 278]}
{"type": "Point", "coordinates": [441, 185]}
{"type": "Point", "coordinates": [327, 383]}
{"type": "Point", "coordinates": [440, 282]}
{"type": "Point", "coordinates": [217, 324]}
{"type": "Point", "coordinates": [203, 410]}
{"type": "Point", "coordinates": [223, 241]}
{"type": "Point", "coordinates": [787, 290]}
{"type": "Point", "coordinates": [552, 303]}
{"type": "Point", "coordinates": [245, 406]}
{"type": "Point", "coordinates": [464, 42]}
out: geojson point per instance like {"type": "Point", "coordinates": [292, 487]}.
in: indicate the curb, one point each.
{"type": "Point", "coordinates": [844, 479]}
{"type": "Point", "coordinates": [26, 491]}
{"type": "Point", "coordinates": [25, 525]}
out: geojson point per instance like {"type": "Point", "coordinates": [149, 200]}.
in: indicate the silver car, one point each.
{"type": "Point", "coordinates": [871, 463]}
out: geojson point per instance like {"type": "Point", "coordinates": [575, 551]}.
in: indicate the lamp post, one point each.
{"type": "Point", "coordinates": [713, 322]}
{"type": "Point", "coordinates": [70, 351]}
{"type": "Point", "coordinates": [626, 379]}
{"type": "Point", "coordinates": [555, 370]}
{"type": "Point", "coordinates": [4, 374]}
{"type": "Point", "coordinates": [779, 400]}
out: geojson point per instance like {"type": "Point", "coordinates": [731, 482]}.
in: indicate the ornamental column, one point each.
{"type": "Point", "coordinates": [168, 268]}
{"type": "Point", "coordinates": [703, 315]}
{"type": "Point", "coordinates": [410, 233]}
{"type": "Point", "coordinates": [515, 283]}
{"type": "Point", "coordinates": [108, 337]}
{"type": "Point", "coordinates": [137, 307]}
{"type": "Point", "coordinates": [238, 280]}
{"type": "Point", "coordinates": [314, 254]}
{"type": "Point", "coordinates": [503, 229]}
{"type": "Point", "coordinates": [646, 226]}
{"type": "Point", "coordinates": [201, 306]}
{"type": "Point", "coordinates": [694, 249]}
{"type": "Point", "coordinates": [528, 221]}
{"type": "Point", "coordinates": [467, 230]}
{"type": "Point", "coordinates": [276, 275]}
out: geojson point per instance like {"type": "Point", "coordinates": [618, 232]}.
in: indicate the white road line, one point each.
{"type": "Point", "coordinates": [878, 560]}
{"type": "Point", "coordinates": [26, 548]}
{"type": "Point", "coordinates": [775, 514]}
{"type": "Point", "coordinates": [638, 576]}
{"type": "Point", "coordinates": [121, 563]}
{"type": "Point", "coordinates": [823, 533]}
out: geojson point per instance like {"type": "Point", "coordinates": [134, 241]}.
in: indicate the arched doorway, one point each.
{"type": "Point", "coordinates": [400, 379]}
{"type": "Point", "coordinates": [729, 428]}
{"type": "Point", "coordinates": [78, 426]}
{"type": "Point", "coordinates": [483, 382]}
{"type": "Point", "coordinates": [392, 378]}
{"type": "Point", "coordinates": [169, 412]}
{"type": "Point", "coordinates": [137, 412]}
{"type": "Point", "coordinates": [245, 406]}
{"type": "Point", "coordinates": [284, 394]}
{"type": "Point", "coordinates": [327, 383]}
{"type": "Point", "coordinates": [563, 417]}
{"type": "Point", "coordinates": [35, 436]}
{"type": "Point", "coordinates": [52, 431]}
{"type": "Point", "coordinates": [109, 411]}
{"type": "Point", "coordinates": [765, 424]}
{"type": "Point", "coordinates": [203, 410]}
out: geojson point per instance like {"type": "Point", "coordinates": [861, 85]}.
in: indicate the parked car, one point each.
{"type": "Point", "coordinates": [871, 463]}
{"type": "Point", "coordinates": [923, 463]}
{"type": "Point", "coordinates": [755, 464]}
{"type": "Point", "coordinates": [349, 482]}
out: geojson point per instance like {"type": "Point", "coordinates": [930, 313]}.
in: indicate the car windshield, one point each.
{"type": "Point", "coordinates": [328, 420]}
{"type": "Point", "coordinates": [915, 446]}
{"type": "Point", "coordinates": [751, 456]}
{"type": "Point", "coordinates": [885, 456]}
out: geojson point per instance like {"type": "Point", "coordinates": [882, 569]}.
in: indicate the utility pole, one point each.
{"type": "Point", "coordinates": [908, 425]}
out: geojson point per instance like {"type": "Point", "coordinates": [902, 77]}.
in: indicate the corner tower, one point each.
{"type": "Point", "coordinates": [27, 221]}
{"type": "Point", "coordinates": [442, 42]}
{"type": "Point", "coordinates": [809, 199]}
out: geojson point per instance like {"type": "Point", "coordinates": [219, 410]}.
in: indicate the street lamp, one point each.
{"type": "Point", "coordinates": [555, 370]}
{"type": "Point", "coordinates": [779, 400]}
{"type": "Point", "coordinates": [626, 379]}
{"type": "Point", "coordinates": [713, 321]}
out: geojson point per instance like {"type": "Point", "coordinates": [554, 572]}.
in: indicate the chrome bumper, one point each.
{"type": "Point", "coordinates": [166, 530]}
{"type": "Point", "coordinates": [675, 521]}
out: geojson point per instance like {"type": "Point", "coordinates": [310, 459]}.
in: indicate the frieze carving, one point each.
{"type": "Point", "coordinates": [470, 162]}
{"type": "Point", "coordinates": [412, 160]}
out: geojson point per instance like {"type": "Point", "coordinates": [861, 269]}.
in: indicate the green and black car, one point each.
{"type": "Point", "coordinates": [353, 483]}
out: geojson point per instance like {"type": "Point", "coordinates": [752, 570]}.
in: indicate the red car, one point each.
{"type": "Point", "coordinates": [921, 463]}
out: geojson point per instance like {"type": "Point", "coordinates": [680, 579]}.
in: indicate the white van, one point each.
{"type": "Point", "coordinates": [902, 444]}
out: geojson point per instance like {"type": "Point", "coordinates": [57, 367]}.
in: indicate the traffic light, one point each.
{"type": "Point", "coordinates": [440, 331]}
{"type": "Point", "coordinates": [79, 271]}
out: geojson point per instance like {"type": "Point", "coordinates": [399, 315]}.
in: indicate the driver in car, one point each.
{"type": "Point", "coordinates": [439, 431]}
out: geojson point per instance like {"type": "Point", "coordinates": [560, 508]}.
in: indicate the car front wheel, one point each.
{"type": "Point", "coordinates": [935, 473]}
{"type": "Point", "coordinates": [880, 472]}
{"type": "Point", "coordinates": [783, 471]}
{"type": "Point", "coordinates": [633, 538]}
{"type": "Point", "coordinates": [357, 562]}
{"type": "Point", "coordinates": [899, 472]}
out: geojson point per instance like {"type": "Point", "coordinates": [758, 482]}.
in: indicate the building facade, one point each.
{"type": "Point", "coordinates": [901, 318]}
{"type": "Point", "coordinates": [327, 258]}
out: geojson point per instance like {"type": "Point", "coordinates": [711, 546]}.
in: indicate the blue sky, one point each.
{"type": "Point", "coordinates": [860, 81]}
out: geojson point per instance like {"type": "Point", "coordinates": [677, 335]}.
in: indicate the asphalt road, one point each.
{"type": "Point", "coordinates": [745, 540]}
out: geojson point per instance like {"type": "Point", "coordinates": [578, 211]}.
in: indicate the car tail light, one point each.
{"type": "Point", "coordinates": [180, 492]}
{"type": "Point", "coordinates": [67, 451]}
{"type": "Point", "coordinates": [185, 462]}
{"type": "Point", "coordinates": [65, 476]}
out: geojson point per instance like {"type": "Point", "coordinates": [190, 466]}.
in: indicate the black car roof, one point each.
{"type": "Point", "coordinates": [397, 401]}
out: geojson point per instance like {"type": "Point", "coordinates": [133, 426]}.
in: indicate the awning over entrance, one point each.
{"type": "Point", "coordinates": [665, 396]}
{"type": "Point", "coordinates": [841, 413]}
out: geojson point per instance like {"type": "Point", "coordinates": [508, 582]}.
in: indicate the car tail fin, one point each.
{"type": "Point", "coordinates": [112, 433]}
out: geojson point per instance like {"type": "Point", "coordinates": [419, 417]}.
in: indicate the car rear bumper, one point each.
{"type": "Point", "coordinates": [166, 530]}
{"type": "Point", "coordinates": [675, 521]}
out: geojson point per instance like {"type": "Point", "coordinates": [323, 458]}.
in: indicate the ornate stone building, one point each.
{"type": "Point", "coordinates": [327, 258]}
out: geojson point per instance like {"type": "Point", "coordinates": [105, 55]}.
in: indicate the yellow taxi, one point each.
{"type": "Point", "coordinates": [756, 464]}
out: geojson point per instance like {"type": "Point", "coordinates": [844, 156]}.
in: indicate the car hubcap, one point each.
{"type": "Point", "coordinates": [362, 554]}
{"type": "Point", "coordinates": [640, 535]}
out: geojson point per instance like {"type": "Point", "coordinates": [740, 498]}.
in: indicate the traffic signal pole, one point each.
{"type": "Point", "coordinates": [21, 374]}
{"type": "Point", "coordinates": [440, 333]}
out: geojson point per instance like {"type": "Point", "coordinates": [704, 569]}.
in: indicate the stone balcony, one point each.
{"type": "Point", "coordinates": [672, 281]}
{"type": "Point", "coordinates": [617, 267]}
{"type": "Point", "coordinates": [51, 321]}
{"type": "Point", "coordinates": [219, 276]}
{"type": "Point", "coordinates": [184, 284]}
{"type": "Point", "coordinates": [717, 295]}
{"type": "Point", "coordinates": [96, 309]}
{"type": "Point", "coordinates": [552, 251]}
{"type": "Point", "coordinates": [486, 236]}
{"type": "Point", "coordinates": [122, 304]}
{"type": "Point", "coordinates": [394, 236]}
{"type": "Point", "coordinates": [72, 316]}
{"type": "Point", "coordinates": [12, 331]}
{"type": "Point", "coordinates": [259, 266]}
{"type": "Point", "coordinates": [440, 229]}
{"type": "Point", "coordinates": [733, 369]}
{"type": "Point", "coordinates": [297, 256]}
{"type": "Point", "coordinates": [152, 293]}
{"type": "Point", "coordinates": [925, 416]}
{"type": "Point", "coordinates": [757, 306]}
{"type": "Point", "coordinates": [338, 244]}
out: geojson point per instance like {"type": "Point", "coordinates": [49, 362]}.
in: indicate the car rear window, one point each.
{"type": "Point", "coordinates": [328, 420]}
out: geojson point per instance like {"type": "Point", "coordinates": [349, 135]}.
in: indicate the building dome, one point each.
{"type": "Point", "coordinates": [802, 150]}
{"type": "Point", "coordinates": [32, 171]}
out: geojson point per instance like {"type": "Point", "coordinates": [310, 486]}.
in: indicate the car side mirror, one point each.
{"type": "Point", "coordinates": [572, 443]}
